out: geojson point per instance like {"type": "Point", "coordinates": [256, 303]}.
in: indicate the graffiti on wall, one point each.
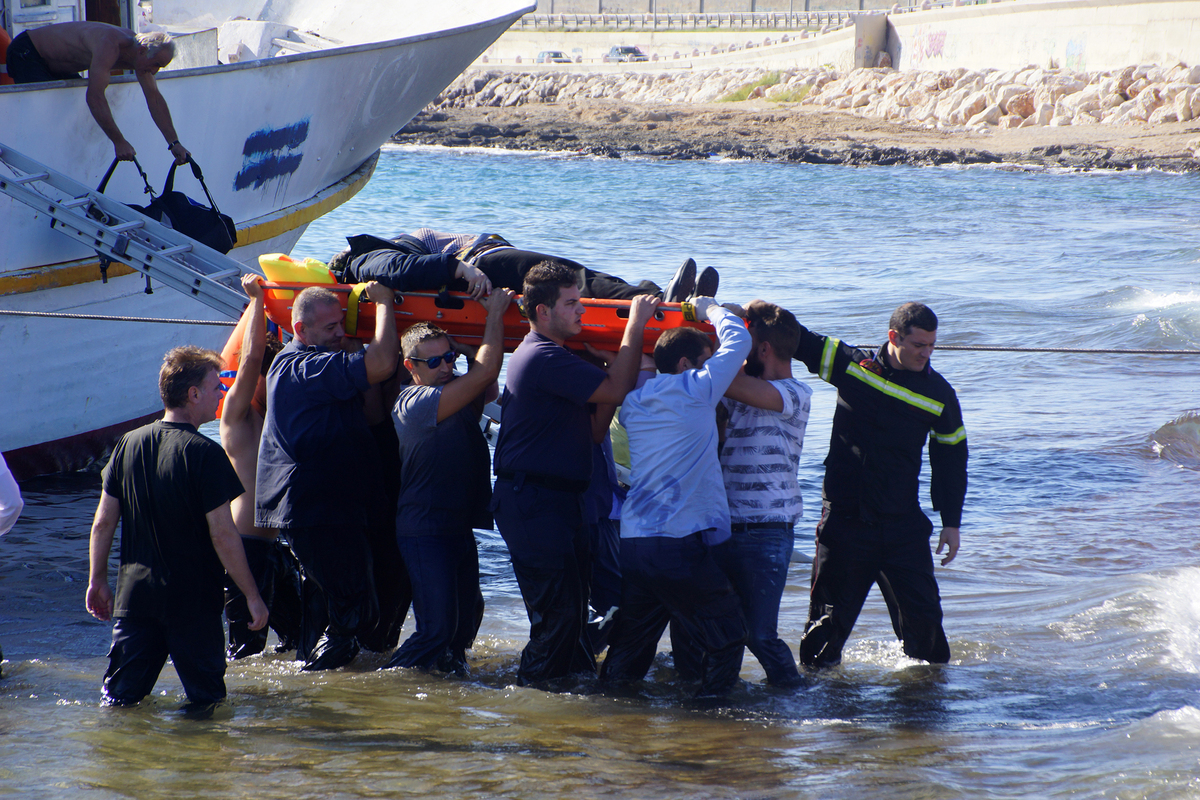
{"type": "Point", "coordinates": [927, 42]}
{"type": "Point", "coordinates": [1075, 56]}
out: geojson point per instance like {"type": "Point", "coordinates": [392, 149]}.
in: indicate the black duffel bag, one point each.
{"type": "Point", "coordinates": [205, 224]}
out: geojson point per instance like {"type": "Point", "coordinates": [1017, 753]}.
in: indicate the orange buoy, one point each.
{"type": "Point", "coordinates": [5, 41]}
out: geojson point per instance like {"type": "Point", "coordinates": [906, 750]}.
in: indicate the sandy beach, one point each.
{"type": "Point", "coordinates": [764, 130]}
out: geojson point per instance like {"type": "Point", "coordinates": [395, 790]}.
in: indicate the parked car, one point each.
{"type": "Point", "coordinates": [624, 52]}
{"type": "Point", "coordinates": [552, 57]}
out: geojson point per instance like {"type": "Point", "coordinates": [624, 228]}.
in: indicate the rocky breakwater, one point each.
{"type": "Point", "coordinates": [1018, 98]}
{"type": "Point", "coordinates": [914, 117]}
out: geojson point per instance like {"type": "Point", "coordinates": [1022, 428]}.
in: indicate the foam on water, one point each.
{"type": "Point", "coordinates": [1179, 440]}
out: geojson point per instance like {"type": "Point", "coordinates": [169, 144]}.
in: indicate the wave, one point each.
{"type": "Point", "coordinates": [1179, 440]}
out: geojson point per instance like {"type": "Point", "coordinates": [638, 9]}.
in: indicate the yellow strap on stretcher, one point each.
{"type": "Point", "coordinates": [352, 308]}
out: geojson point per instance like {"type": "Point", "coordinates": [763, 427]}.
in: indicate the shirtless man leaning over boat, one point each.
{"type": "Point", "coordinates": [60, 52]}
{"type": "Point", "coordinates": [242, 416]}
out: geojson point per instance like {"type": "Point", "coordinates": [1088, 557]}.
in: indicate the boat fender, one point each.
{"type": "Point", "coordinates": [5, 41]}
{"type": "Point", "coordinates": [351, 324]}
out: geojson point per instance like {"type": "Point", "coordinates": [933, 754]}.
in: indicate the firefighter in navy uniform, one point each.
{"type": "Point", "coordinates": [872, 529]}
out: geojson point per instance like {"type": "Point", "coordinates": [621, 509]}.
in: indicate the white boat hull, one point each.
{"type": "Point", "coordinates": [280, 141]}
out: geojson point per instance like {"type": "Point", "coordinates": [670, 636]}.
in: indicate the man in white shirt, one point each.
{"type": "Point", "coordinates": [676, 509]}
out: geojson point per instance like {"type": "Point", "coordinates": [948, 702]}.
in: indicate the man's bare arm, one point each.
{"type": "Point", "coordinates": [486, 365]}
{"type": "Point", "coordinates": [228, 545]}
{"type": "Point", "coordinates": [384, 348]}
{"type": "Point", "coordinates": [99, 598]}
{"type": "Point", "coordinates": [161, 114]}
{"type": "Point", "coordinates": [254, 347]}
{"type": "Point", "coordinates": [105, 53]}
{"type": "Point", "coordinates": [622, 373]}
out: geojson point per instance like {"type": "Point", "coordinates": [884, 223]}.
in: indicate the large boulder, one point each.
{"type": "Point", "coordinates": [989, 116]}
{"type": "Point", "coordinates": [1022, 104]}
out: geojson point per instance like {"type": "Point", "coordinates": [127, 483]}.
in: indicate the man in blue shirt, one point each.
{"type": "Point", "coordinates": [314, 432]}
{"type": "Point", "coordinates": [445, 488]}
{"type": "Point", "coordinates": [544, 461]}
{"type": "Point", "coordinates": [676, 509]}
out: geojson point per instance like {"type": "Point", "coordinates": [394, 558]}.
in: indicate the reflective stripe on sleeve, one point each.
{"type": "Point", "coordinates": [955, 437]}
{"type": "Point", "coordinates": [831, 348]}
{"type": "Point", "coordinates": [899, 392]}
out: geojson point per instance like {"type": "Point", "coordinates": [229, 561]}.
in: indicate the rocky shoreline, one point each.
{"type": "Point", "coordinates": [702, 116]}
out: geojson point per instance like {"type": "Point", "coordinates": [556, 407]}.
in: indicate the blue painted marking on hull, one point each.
{"type": "Point", "coordinates": [266, 157]}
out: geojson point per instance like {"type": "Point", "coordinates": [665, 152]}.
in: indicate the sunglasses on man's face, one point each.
{"type": "Point", "coordinates": [434, 361]}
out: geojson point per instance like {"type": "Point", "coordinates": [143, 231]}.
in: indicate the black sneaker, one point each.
{"type": "Point", "coordinates": [707, 283]}
{"type": "Point", "coordinates": [682, 285]}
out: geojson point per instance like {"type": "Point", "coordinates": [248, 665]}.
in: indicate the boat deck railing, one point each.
{"type": "Point", "coordinates": [744, 20]}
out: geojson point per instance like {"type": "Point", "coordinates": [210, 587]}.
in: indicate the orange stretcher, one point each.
{"type": "Point", "coordinates": [464, 318]}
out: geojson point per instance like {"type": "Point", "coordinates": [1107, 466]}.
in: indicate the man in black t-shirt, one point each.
{"type": "Point", "coordinates": [170, 487]}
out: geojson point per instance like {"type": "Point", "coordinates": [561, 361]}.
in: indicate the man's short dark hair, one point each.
{"type": "Point", "coordinates": [678, 343]}
{"type": "Point", "coordinates": [304, 307]}
{"type": "Point", "coordinates": [776, 325]}
{"type": "Point", "coordinates": [182, 368]}
{"type": "Point", "coordinates": [912, 315]}
{"type": "Point", "coordinates": [416, 334]}
{"type": "Point", "coordinates": [543, 283]}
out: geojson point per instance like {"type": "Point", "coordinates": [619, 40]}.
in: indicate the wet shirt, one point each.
{"type": "Point", "coordinates": [314, 435]}
{"type": "Point", "coordinates": [761, 456]}
{"type": "Point", "coordinates": [546, 427]}
{"type": "Point", "coordinates": [167, 477]}
{"type": "Point", "coordinates": [445, 486]}
{"type": "Point", "coordinates": [676, 487]}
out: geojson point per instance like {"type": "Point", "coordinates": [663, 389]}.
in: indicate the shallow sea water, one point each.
{"type": "Point", "coordinates": [1073, 609]}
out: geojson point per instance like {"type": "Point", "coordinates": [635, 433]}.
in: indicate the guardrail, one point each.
{"type": "Point", "coordinates": [747, 20]}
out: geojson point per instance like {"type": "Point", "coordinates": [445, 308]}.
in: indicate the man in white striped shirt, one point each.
{"type": "Point", "coordinates": [768, 412]}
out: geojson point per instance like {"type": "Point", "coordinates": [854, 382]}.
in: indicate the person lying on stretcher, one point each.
{"type": "Point", "coordinates": [428, 260]}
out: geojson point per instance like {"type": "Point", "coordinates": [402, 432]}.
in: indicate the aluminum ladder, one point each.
{"type": "Point", "coordinates": [116, 231]}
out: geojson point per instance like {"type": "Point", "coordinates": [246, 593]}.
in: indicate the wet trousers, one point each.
{"type": "Point", "coordinates": [195, 643]}
{"type": "Point", "coordinates": [666, 579]}
{"type": "Point", "coordinates": [852, 556]}
{"type": "Point", "coordinates": [447, 602]}
{"type": "Point", "coordinates": [547, 542]}
{"type": "Point", "coordinates": [339, 592]}
{"type": "Point", "coordinates": [756, 560]}
{"type": "Point", "coordinates": [276, 574]}
{"type": "Point", "coordinates": [604, 583]}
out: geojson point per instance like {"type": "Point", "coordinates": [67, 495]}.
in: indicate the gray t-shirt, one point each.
{"type": "Point", "coordinates": [444, 482]}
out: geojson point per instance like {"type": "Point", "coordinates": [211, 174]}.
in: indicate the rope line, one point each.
{"type": "Point", "coordinates": [964, 347]}
{"type": "Point", "coordinates": [107, 318]}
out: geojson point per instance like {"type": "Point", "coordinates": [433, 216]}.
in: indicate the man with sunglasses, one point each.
{"type": "Point", "coordinates": [544, 462]}
{"type": "Point", "coordinates": [445, 487]}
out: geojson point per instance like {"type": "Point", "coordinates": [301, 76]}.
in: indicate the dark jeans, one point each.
{"type": "Point", "coordinates": [852, 556]}
{"type": "Point", "coordinates": [141, 645]}
{"type": "Point", "coordinates": [675, 579]}
{"type": "Point", "coordinates": [506, 267]}
{"type": "Point", "coordinates": [756, 561]}
{"type": "Point", "coordinates": [447, 602]}
{"type": "Point", "coordinates": [341, 602]}
{"type": "Point", "coordinates": [546, 540]}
